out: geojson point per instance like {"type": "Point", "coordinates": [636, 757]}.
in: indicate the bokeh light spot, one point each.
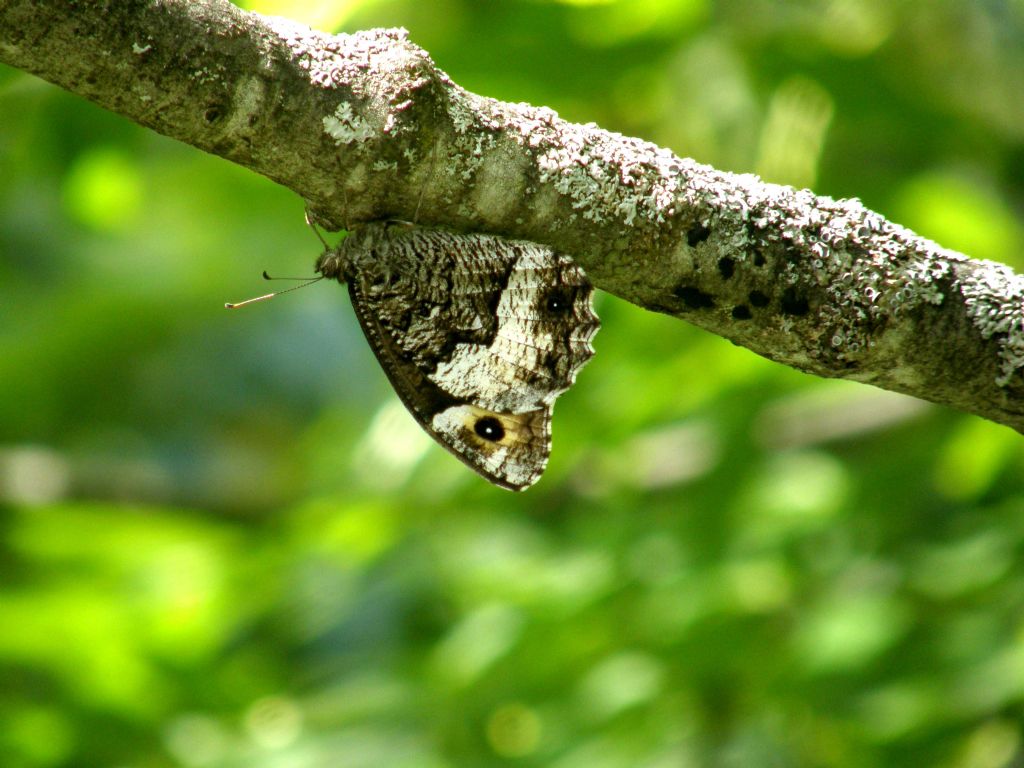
{"type": "Point", "coordinates": [514, 730]}
{"type": "Point", "coordinates": [103, 190]}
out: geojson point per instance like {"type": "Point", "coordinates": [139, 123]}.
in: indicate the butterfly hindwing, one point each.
{"type": "Point", "coordinates": [477, 334]}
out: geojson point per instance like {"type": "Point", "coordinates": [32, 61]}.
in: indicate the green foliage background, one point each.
{"type": "Point", "coordinates": [222, 542]}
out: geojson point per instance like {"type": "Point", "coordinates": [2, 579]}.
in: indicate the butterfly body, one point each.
{"type": "Point", "coordinates": [478, 335]}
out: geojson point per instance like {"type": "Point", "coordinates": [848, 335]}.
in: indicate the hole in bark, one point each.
{"type": "Point", "coordinates": [697, 234]}
{"type": "Point", "coordinates": [793, 303]}
{"type": "Point", "coordinates": [758, 299]}
{"type": "Point", "coordinates": [694, 298]}
{"type": "Point", "coordinates": [726, 267]}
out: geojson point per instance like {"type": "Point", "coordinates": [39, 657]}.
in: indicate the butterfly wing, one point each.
{"type": "Point", "coordinates": [477, 334]}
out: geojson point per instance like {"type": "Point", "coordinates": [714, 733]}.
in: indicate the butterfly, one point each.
{"type": "Point", "coordinates": [478, 335]}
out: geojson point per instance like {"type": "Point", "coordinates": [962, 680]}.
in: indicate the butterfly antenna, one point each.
{"type": "Point", "coordinates": [309, 281]}
{"type": "Point", "coordinates": [268, 277]}
{"type": "Point", "coordinates": [312, 225]}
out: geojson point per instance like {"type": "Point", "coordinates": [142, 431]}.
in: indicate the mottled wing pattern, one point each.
{"type": "Point", "coordinates": [478, 334]}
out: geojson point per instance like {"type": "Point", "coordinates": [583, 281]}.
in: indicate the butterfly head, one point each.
{"type": "Point", "coordinates": [331, 265]}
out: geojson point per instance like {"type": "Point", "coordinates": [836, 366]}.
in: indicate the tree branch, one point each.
{"type": "Point", "coordinates": [365, 127]}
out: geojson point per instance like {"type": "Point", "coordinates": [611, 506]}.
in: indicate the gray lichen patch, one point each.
{"type": "Point", "coordinates": [604, 176]}
{"type": "Point", "coordinates": [872, 273]}
{"type": "Point", "coordinates": [342, 60]}
{"type": "Point", "coordinates": [376, 71]}
{"type": "Point", "coordinates": [473, 142]}
{"type": "Point", "coordinates": [346, 127]}
{"type": "Point", "coordinates": [841, 269]}
{"type": "Point", "coordinates": [994, 298]}
{"type": "Point", "coordinates": [845, 279]}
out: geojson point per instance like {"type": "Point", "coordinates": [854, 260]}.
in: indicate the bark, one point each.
{"type": "Point", "coordinates": [365, 127]}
